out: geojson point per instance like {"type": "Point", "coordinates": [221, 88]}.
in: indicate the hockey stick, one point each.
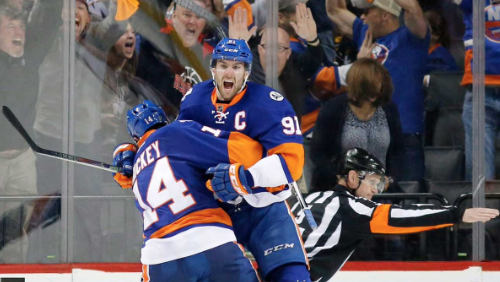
{"type": "Point", "coordinates": [307, 210]}
{"type": "Point", "coordinates": [53, 154]}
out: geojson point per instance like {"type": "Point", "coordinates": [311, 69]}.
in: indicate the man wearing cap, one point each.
{"type": "Point", "coordinates": [403, 51]}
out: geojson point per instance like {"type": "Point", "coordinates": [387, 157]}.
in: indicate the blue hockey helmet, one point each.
{"type": "Point", "coordinates": [233, 49]}
{"type": "Point", "coordinates": [143, 117]}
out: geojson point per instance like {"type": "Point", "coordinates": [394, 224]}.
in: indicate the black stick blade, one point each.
{"type": "Point", "coordinates": [9, 115]}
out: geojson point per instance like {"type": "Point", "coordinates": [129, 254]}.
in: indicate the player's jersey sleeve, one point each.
{"type": "Point", "coordinates": [194, 99]}
{"type": "Point", "coordinates": [186, 100]}
{"type": "Point", "coordinates": [281, 137]}
{"type": "Point", "coordinates": [209, 147]}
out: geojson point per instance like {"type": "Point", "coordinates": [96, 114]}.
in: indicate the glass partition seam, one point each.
{"type": "Point", "coordinates": [67, 203]}
{"type": "Point", "coordinates": [64, 194]}
{"type": "Point", "coordinates": [478, 128]}
{"type": "Point", "coordinates": [272, 44]}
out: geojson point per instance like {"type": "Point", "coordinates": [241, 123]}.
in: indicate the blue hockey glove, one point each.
{"type": "Point", "coordinates": [123, 156]}
{"type": "Point", "coordinates": [229, 181]}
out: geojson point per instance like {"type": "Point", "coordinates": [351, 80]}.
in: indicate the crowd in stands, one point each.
{"type": "Point", "coordinates": [357, 75]}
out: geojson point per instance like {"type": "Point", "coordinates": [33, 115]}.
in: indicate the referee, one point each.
{"type": "Point", "coordinates": [346, 215]}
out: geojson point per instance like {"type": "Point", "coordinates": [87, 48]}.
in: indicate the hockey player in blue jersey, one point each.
{"type": "Point", "coordinates": [261, 219]}
{"type": "Point", "coordinates": [187, 236]}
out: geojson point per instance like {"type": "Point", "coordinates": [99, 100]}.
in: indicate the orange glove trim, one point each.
{"type": "Point", "coordinates": [125, 147]}
{"type": "Point", "coordinates": [123, 181]}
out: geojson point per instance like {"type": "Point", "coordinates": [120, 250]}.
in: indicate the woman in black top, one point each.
{"type": "Point", "coordinates": [364, 118]}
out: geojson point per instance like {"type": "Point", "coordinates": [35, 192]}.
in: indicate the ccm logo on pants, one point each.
{"type": "Point", "coordinates": [278, 248]}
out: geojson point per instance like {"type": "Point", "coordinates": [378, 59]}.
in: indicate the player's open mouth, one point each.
{"type": "Point", "coordinates": [77, 23]}
{"type": "Point", "coordinates": [228, 85]}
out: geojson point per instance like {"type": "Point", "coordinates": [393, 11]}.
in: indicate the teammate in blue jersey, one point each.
{"type": "Point", "coordinates": [261, 221]}
{"type": "Point", "coordinates": [187, 236]}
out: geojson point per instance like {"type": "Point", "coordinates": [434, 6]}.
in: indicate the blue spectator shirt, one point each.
{"type": "Point", "coordinates": [405, 57]}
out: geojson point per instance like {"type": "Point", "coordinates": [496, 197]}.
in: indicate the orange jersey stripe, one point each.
{"type": "Point", "coordinates": [254, 266]}
{"type": "Point", "coordinates": [380, 223]}
{"type": "Point", "coordinates": [293, 153]}
{"type": "Point", "coordinates": [276, 189]}
{"type": "Point", "coordinates": [309, 120]}
{"type": "Point", "coordinates": [216, 215]}
{"type": "Point", "coordinates": [144, 137]}
{"type": "Point", "coordinates": [243, 149]}
{"type": "Point", "coordinates": [298, 234]}
{"type": "Point", "coordinates": [244, 5]}
{"type": "Point", "coordinates": [145, 273]}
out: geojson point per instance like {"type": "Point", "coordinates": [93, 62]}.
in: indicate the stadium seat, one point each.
{"type": "Point", "coordinates": [456, 47]}
{"type": "Point", "coordinates": [450, 190]}
{"type": "Point", "coordinates": [497, 158]}
{"type": "Point", "coordinates": [409, 186]}
{"type": "Point", "coordinates": [444, 163]}
{"type": "Point", "coordinates": [462, 233]}
{"type": "Point", "coordinates": [443, 105]}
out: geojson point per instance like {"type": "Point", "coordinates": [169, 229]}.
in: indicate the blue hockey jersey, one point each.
{"type": "Point", "coordinates": [263, 114]}
{"type": "Point", "coordinates": [491, 41]}
{"type": "Point", "coordinates": [181, 216]}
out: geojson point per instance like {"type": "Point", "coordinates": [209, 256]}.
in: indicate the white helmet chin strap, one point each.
{"type": "Point", "coordinates": [215, 82]}
{"type": "Point", "coordinates": [244, 83]}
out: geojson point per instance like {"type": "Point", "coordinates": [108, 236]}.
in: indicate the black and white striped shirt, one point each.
{"type": "Point", "coordinates": [344, 220]}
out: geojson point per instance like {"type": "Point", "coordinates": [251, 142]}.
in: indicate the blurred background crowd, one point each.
{"type": "Point", "coordinates": [70, 71]}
